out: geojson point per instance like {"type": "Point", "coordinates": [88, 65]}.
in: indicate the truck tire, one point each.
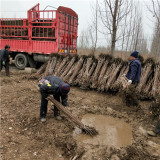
{"type": "Point", "coordinates": [21, 61]}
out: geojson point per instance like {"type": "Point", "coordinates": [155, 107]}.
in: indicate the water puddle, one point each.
{"type": "Point", "coordinates": [112, 131]}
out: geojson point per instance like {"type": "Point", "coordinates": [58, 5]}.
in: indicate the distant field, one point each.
{"type": "Point", "coordinates": [118, 54]}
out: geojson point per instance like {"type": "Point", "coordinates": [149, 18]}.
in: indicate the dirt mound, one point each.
{"type": "Point", "coordinates": [155, 109]}
{"type": "Point", "coordinates": [134, 153]}
{"type": "Point", "coordinates": [69, 146]}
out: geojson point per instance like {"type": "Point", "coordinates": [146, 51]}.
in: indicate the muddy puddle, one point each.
{"type": "Point", "coordinates": [112, 131]}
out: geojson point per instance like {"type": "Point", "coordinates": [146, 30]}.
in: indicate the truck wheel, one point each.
{"type": "Point", "coordinates": [21, 61]}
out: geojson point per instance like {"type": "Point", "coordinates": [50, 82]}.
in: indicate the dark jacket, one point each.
{"type": "Point", "coordinates": [4, 55]}
{"type": "Point", "coordinates": [53, 87]}
{"type": "Point", "coordinates": [134, 72]}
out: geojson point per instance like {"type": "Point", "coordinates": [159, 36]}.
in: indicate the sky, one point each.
{"type": "Point", "coordinates": [18, 9]}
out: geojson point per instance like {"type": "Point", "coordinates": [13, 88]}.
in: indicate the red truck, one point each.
{"type": "Point", "coordinates": [42, 33]}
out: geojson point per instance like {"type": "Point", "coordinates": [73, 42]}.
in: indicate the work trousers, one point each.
{"type": "Point", "coordinates": [131, 95]}
{"type": "Point", "coordinates": [44, 104]}
{"type": "Point", "coordinates": [6, 67]}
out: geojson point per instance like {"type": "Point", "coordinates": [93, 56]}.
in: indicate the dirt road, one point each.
{"type": "Point", "coordinates": [24, 137]}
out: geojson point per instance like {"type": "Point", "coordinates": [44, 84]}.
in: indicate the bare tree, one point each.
{"type": "Point", "coordinates": [155, 48]}
{"type": "Point", "coordinates": [155, 10]}
{"type": "Point", "coordinates": [84, 41]}
{"type": "Point", "coordinates": [94, 27]}
{"type": "Point", "coordinates": [120, 21]}
{"type": "Point", "coordinates": [112, 15]}
{"type": "Point", "coordinates": [138, 32]}
{"type": "Point", "coordinates": [132, 31]}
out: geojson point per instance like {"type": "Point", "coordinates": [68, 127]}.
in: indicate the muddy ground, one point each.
{"type": "Point", "coordinates": [24, 137]}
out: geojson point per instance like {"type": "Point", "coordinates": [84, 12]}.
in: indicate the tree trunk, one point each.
{"type": "Point", "coordinates": [114, 28]}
